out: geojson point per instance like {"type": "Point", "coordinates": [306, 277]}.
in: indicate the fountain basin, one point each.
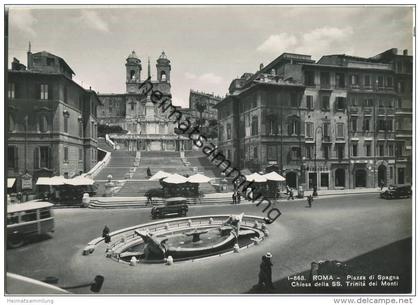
{"type": "Point", "coordinates": [186, 238]}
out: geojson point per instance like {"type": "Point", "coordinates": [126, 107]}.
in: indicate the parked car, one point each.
{"type": "Point", "coordinates": [172, 206]}
{"type": "Point", "coordinates": [397, 191]}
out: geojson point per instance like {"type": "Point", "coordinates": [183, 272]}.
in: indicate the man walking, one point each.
{"type": "Point", "coordinates": [291, 195]}
{"type": "Point", "coordinates": [264, 276]}
{"type": "Point", "coordinates": [234, 197]}
{"type": "Point", "coordinates": [382, 184]}
{"type": "Point", "coordinates": [105, 231]}
{"type": "Point", "coordinates": [315, 192]}
{"type": "Point", "coordinates": [310, 200]}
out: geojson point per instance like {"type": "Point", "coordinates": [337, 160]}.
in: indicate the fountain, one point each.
{"type": "Point", "coordinates": [196, 235]}
{"type": "Point", "coordinates": [186, 239]}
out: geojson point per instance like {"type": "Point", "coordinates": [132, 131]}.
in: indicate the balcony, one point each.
{"type": "Point", "coordinates": [403, 133]}
{"type": "Point", "coordinates": [367, 110]}
{"type": "Point", "coordinates": [404, 111]}
{"type": "Point", "coordinates": [381, 111]}
{"type": "Point", "coordinates": [326, 139]}
{"type": "Point", "coordinates": [353, 109]}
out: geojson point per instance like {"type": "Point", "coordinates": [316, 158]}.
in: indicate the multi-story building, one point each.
{"type": "Point", "coordinates": [205, 100]}
{"type": "Point", "coordinates": [52, 124]}
{"type": "Point", "coordinates": [260, 125]}
{"type": "Point", "coordinates": [402, 65]}
{"type": "Point", "coordinates": [340, 133]}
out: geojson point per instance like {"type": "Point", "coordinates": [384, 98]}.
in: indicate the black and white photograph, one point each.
{"type": "Point", "coordinates": [209, 150]}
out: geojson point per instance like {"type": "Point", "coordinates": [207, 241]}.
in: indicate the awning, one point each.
{"type": "Point", "coordinates": [175, 179]}
{"type": "Point", "coordinates": [198, 178]}
{"type": "Point", "coordinates": [159, 175]}
{"type": "Point", "coordinates": [255, 177]}
{"type": "Point", "coordinates": [10, 182]}
{"type": "Point", "coordinates": [273, 176]}
{"type": "Point", "coordinates": [43, 181]}
{"type": "Point", "coordinates": [79, 180]}
{"type": "Point", "coordinates": [57, 180]}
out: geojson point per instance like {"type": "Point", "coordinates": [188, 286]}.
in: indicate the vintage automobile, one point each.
{"type": "Point", "coordinates": [172, 206]}
{"type": "Point", "coordinates": [397, 191]}
{"type": "Point", "coordinates": [28, 219]}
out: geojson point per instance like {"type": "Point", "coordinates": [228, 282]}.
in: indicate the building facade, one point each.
{"type": "Point", "coordinates": [344, 125]}
{"type": "Point", "coordinates": [52, 123]}
{"type": "Point", "coordinates": [201, 105]}
{"type": "Point", "coordinates": [148, 126]}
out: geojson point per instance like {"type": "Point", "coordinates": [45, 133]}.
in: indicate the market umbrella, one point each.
{"type": "Point", "coordinates": [80, 180]}
{"type": "Point", "coordinates": [175, 179]}
{"type": "Point", "coordinates": [57, 180]}
{"type": "Point", "coordinates": [198, 178]}
{"type": "Point", "coordinates": [43, 181]}
{"type": "Point", "coordinates": [256, 178]}
{"type": "Point", "coordinates": [159, 175]}
{"type": "Point", "coordinates": [273, 176]}
{"type": "Point", "coordinates": [10, 182]}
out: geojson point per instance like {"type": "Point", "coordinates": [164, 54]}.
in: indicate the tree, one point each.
{"type": "Point", "coordinates": [200, 106]}
{"type": "Point", "coordinates": [107, 129]}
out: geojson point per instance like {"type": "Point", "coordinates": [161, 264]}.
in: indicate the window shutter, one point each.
{"type": "Point", "coordinates": [36, 157]}
{"type": "Point", "coordinates": [49, 158]}
{"type": "Point", "coordinates": [16, 157]}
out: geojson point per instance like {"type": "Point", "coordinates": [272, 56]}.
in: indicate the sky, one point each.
{"type": "Point", "coordinates": [208, 46]}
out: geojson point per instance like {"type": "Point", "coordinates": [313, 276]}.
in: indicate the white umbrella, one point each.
{"type": "Point", "coordinates": [256, 178]}
{"type": "Point", "coordinates": [159, 175]}
{"type": "Point", "coordinates": [80, 180]}
{"type": "Point", "coordinates": [43, 181]}
{"type": "Point", "coordinates": [273, 176]}
{"type": "Point", "coordinates": [198, 178]}
{"type": "Point", "coordinates": [175, 179]}
{"type": "Point", "coordinates": [57, 180]}
{"type": "Point", "coordinates": [10, 182]}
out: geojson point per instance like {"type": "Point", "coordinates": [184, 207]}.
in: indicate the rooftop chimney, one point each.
{"type": "Point", "coordinates": [405, 52]}
{"type": "Point", "coordinates": [261, 66]}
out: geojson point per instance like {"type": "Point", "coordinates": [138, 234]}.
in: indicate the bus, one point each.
{"type": "Point", "coordinates": [28, 219]}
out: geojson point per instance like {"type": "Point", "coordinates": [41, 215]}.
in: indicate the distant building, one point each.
{"type": "Point", "coordinates": [207, 101]}
{"type": "Point", "coordinates": [52, 124]}
{"type": "Point", "coordinates": [148, 126]}
{"type": "Point", "coordinates": [341, 122]}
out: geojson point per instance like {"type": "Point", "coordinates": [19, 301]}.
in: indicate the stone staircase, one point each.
{"type": "Point", "coordinates": [129, 169]}
{"type": "Point", "coordinates": [196, 159]}
{"type": "Point", "coordinates": [140, 202]}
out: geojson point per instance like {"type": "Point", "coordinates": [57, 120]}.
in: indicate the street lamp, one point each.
{"type": "Point", "coordinates": [319, 128]}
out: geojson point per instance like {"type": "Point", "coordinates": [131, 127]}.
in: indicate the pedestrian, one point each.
{"type": "Point", "coordinates": [382, 184]}
{"type": "Point", "coordinates": [149, 172]}
{"type": "Point", "coordinates": [238, 197]}
{"type": "Point", "coordinates": [234, 197]}
{"type": "Point", "coordinates": [310, 199]}
{"type": "Point", "coordinates": [315, 192]}
{"type": "Point", "coordinates": [105, 231]}
{"type": "Point", "coordinates": [149, 198]}
{"type": "Point", "coordinates": [291, 195]}
{"type": "Point", "coordinates": [264, 276]}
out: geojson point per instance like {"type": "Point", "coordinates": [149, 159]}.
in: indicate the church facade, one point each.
{"type": "Point", "coordinates": [147, 126]}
